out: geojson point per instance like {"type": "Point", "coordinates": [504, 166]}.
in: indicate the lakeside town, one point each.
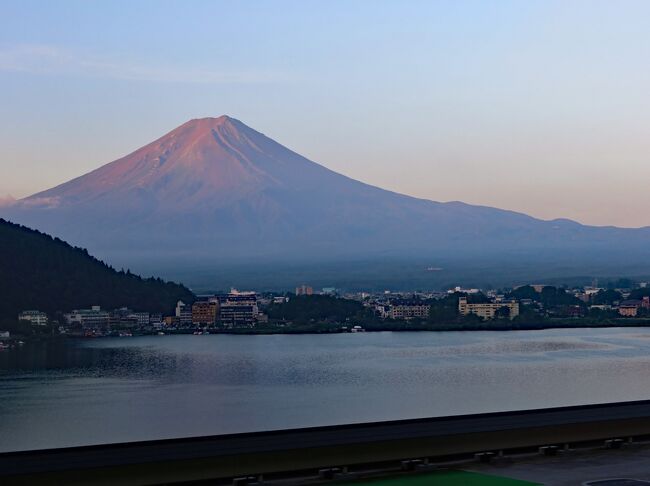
{"type": "Point", "coordinates": [330, 310]}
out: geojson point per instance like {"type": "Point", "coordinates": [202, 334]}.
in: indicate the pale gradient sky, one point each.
{"type": "Point", "coordinates": [540, 107]}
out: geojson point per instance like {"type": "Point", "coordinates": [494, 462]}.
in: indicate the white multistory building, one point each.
{"type": "Point", "coordinates": [34, 317]}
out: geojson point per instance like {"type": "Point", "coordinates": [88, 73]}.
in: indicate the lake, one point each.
{"type": "Point", "coordinates": [79, 392]}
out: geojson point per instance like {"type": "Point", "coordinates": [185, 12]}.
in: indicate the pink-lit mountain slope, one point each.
{"type": "Point", "coordinates": [215, 188]}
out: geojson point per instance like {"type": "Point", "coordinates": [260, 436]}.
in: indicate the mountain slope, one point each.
{"type": "Point", "coordinates": [215, 189]}
{"type": "Point", "coordinates": [44, 273]}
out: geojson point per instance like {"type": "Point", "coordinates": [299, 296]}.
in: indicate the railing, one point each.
{"type": "Point", "coordinates": [286, 451]}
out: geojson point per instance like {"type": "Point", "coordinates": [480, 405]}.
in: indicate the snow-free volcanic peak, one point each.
{"type": "Point", "coordinates": [203, 163]}
{"type": "Point", "coordinates": [214, 188]}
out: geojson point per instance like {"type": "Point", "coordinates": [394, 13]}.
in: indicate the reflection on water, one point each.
{"type": "Point", "coordinates": [122, 389]}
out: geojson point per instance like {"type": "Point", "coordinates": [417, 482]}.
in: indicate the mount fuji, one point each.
{"type": "Point", "coordinates": [216, 190]}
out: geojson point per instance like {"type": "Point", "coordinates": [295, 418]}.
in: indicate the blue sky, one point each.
{"type": "Point", "coordinates": [540, 107]}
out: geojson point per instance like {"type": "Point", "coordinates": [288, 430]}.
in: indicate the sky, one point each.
{"type": "Point", "coordinates": [541, 107]}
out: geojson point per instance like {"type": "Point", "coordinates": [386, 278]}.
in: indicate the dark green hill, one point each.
{"type": "Point", "coordinates": [45, 273]}
{"type": "Point", "coordinates": [302, 309]}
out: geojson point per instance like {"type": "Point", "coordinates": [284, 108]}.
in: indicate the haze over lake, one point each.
{"type": "Point", "coordinates": [81, 392]}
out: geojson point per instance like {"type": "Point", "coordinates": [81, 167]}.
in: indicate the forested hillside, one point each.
{"type": "Point", "coordinates": [45, 273]}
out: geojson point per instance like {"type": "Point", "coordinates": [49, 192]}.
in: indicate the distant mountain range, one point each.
{"type": "Point", "coordinates": [44, 273]}
{"type": "Point", "coordinates": [214, 190]}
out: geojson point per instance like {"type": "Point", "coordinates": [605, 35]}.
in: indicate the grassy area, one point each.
{"type": "Point", "coordinates": [443, 478]}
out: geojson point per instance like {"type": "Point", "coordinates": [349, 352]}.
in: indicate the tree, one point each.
{"type": "Point", "coordinates": [524, 292]}
{"type": "Point", "coordinates": [44, 273]}
{"type": "Point", "coordinates": [621, 283]}
{"type": "Point", "coordinates": [606, 297]}
{"type": "Point", "coordinates": [639, 294]}
{"type": "Point", "coordinates": [303, 309]}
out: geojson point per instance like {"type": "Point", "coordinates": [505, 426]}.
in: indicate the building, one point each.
{"type": "Point", "coordinates": [204, 313]}
{"type": "Point", "coordinates": [184, 314]}
{"type": "Point", "coordinates": [304, 290]}
{"type": "Point", "coordinates": [34, 317]}
{"type": "Point", "coordinates": [122, 322]}
{"type": "Point", "coordinates": [93, 318]}
{"type": "Point", "coordinates": [142, 318]}
{"type": "Point", "coordinates": [464, 291]}
{"type": "Point", "coordinates": [408, 309]}
{"type": "Point", "coordinates": [234, 309]}
{"type": "Point", "coordinates": [125, 317]}
{"type": "Point", "coordinates": [238, 309]}
{"type": "Point", "coordinates": [601, 307]}
{"type": "Point", "coordinates": [382, 310]}
{"type": "Point", "coordinates": [236, 315]}
{"type": "Point", "coordinates": [593, 290]}
{"type": "Point", "coordinates": [180, 306]}
{"type": "Point", "coordinates": [488, 310]}
{"type": "Point", "coordinates": [185, 317]}
{"type": "Point", "coordinates": [629, 308]}
{"type": "Point", "coordinates": [574, 311]}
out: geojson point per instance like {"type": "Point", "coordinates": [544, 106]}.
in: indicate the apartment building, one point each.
{"type": "Point", "coordinates": [408, 309]}
{"type": "Point", "coordinates": [487, 310]}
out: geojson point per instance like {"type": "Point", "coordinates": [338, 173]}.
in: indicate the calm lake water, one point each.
{"type": "Point", "coordinates": [80, 392]}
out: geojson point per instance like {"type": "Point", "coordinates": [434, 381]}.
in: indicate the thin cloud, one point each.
{"type": "Point", "coordinates": [52, 60]}
{"type": "Point", "coordinates": [6, 201]}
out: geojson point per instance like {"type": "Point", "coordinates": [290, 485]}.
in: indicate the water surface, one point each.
{"type": "Point", "coordinates": [78, 392]}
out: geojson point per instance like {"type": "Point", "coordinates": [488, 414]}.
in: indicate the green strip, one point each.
{"type": "Point", "coordinates": [443, 478]}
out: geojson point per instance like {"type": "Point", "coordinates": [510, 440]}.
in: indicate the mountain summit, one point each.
{"type": "Point", "coordinates": [203, 164]}
{"type": "Point", "coordinates": [216, 189]}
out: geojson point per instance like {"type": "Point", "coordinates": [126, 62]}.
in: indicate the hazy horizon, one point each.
{"type": "Point", "coordinates": [536, 107]}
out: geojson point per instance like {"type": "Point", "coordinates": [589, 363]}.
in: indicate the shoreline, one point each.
{"type": "Point", "coordinates": [268, 330]}
{"type": "Point", "coordinates": [560, 324]}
